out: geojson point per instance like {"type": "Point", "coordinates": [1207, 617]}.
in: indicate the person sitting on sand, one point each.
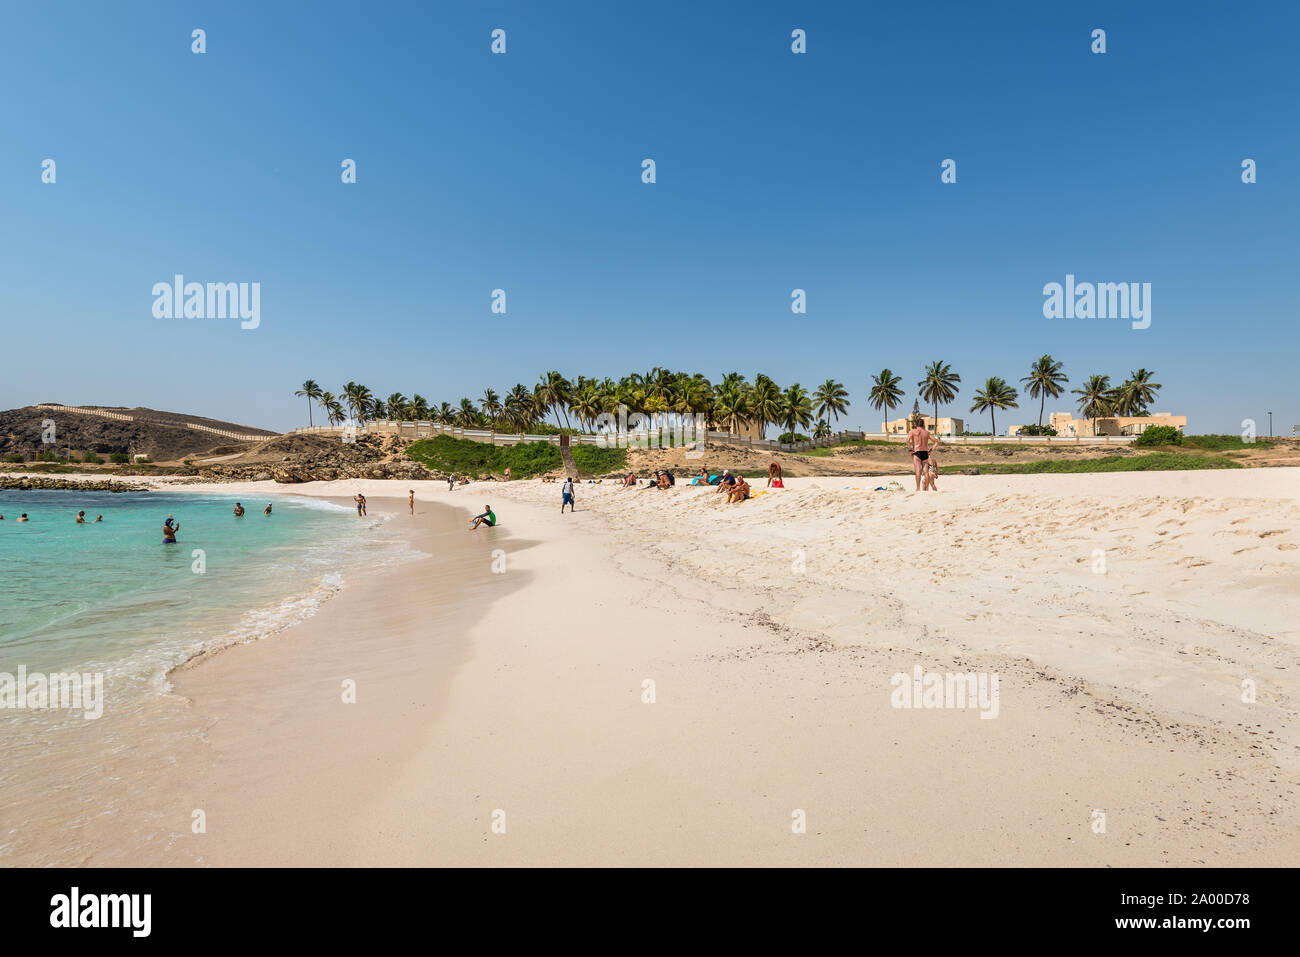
{"type": "Point", "coordinates": [566, 496]}
{"type": "Point", "coordinates": [464, 480]}
{"type": "Point", "coordinates": [727, 482]}
{"type": "Point", "coordinates": [739, 492]}
{"type": "Point", "coordinates": [170, 528]}
{"type": "Point", "coordinates": [507, 473]}
{"type": "Point", "coordinates": [774, 479]}
{"type": "Point", "coordinates": [81, 517]}
{"type": "Point", "coordinates": [488, 518]}
{"type": "Point", "coordinates": [630, 480]}
{"type": "Point", "coordinates": [267, 510]}
{"type": "Point", "coordinates": [918, 443]}
{"type": "Point", "coordinates": [665, 479]}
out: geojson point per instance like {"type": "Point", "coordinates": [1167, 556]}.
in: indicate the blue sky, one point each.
{"type": "Point", "coordinates": [522, 171]}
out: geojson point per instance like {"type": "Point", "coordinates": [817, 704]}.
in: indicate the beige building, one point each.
{"type": "Point", "coordinates": [1068, 426]}
{"type": "Point", "coordinates": [946, 425]}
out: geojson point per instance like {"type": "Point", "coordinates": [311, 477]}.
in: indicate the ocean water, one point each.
{"type": "Point", "coordinates": [111, 598]}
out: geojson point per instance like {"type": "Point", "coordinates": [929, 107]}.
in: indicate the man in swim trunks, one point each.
{"type": "Point", "coordinates": [81, 517]}
{"type": "Point", "coordinates": [566, 496]}
{"type": "Point", "coordinates": [488, 518]}
{"type": "Point", "coordinates": [239, 510]}
{"type": "Point", "coordinates": [919, 441]}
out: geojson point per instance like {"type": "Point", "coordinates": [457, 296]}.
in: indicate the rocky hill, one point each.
{"type": "Point", "coordinates": [163, 436]}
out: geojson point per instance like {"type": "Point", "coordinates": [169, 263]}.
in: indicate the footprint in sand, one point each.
{"type": "Point", "coordinates": [1287, 547]}
{"type": "Point", "coordinates": [1275, 531]}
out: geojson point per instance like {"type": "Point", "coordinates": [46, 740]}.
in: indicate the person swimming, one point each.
{"type": "Point", "coordinates": [98, 519]}
{"type": "Point", "coordinates": [267, 510]}
{"type": "Point", "coordinates": [170, 528]}
{"type": "Point", "coordinates": [23, 517]}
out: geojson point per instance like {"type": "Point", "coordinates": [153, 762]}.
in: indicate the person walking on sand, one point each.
{"type": "Point", "coordinates": [566, 495]}
{"type": "Point", "coordinates": [918, 443]}
{"type": "Point", "coordinates": [411, 501]}
{"type": "Point", "coordinates": [488, 518]}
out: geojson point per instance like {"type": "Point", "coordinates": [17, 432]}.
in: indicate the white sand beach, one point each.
{"type": "Point", "coordinates": [770, 630]}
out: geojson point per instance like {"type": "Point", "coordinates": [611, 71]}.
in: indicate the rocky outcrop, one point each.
{"type": "Point", "coordinates": [28, 482]}
{"type": "Point", "coordinates": [315, 459]}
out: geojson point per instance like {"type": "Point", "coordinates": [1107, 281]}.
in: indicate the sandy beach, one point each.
{"type": "Point", "coordinates": [660, 678]}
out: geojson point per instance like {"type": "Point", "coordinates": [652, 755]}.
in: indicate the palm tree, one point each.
{"type": "Point", "coordinates": [731, 407]}
{"type": "Point", "coordinates": [358, 400]}
{"type": "Point", "coordinates": [1046, 380]}
{"type": "Point", "coordinates": [822, 429]}
{"type": "Point", "coordinates": [444, 414]}
{"type": "Point", "coordinates": [796, 409]}
{"type": "Point", "coordinates": [466, 415]}
{"type": "Point", "coordinates": [491, 406]}
{"type": "Point", "coordinates": [1137, 392]}
{"type": "Point", "coordinates": [335, 410]}
{"type": "Point", "coordinates": [885, 393]}
{"type": "Point", "coordinates": [419, 407]}
{"type": "Point", "coordinates": [831, 400]}
{"type": "Point", "coordinates": [765, 402]}
{"type": "Point", "coordinates": [397, 405]}
{"type": "Point", "coordinates": [996, 394]}
{"type": "Point", "coordinates": [312, 391]}
{"type": "Point", "coordinates": [1095, 399]}
{"type": "Point", "coordinates": [553, 392]}
{"type": "Point", "coordinates": [938, 386]}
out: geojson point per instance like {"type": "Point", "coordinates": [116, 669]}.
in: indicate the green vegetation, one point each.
{"type": "Point", "coordinates": [1159, 435]}
{"type": "Point", "coordinates": [1222, 443]}
{"type": "Point", "coordinates": [14, 457]}
{"type": "Point", "coordinates": [90, 458]}
{"type": "Point", "coordinates": [1150, 462]}
{"type": "Point", "coordinates": [526, 460]}
{"type": "Point", "coordinates": [119, 458]}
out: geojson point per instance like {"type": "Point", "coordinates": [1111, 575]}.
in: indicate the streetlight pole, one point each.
{"type": "Point", "coordinates": [1270, 425]}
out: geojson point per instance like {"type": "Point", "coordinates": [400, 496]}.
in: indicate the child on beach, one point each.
{"type": "Point", "coordinates": [774, 479]}
{"type": "Point", "coordinates": [566, 496]}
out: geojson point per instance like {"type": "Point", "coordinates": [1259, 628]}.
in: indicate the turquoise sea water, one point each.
{"type": "Point", "coordinates": [112, 598]}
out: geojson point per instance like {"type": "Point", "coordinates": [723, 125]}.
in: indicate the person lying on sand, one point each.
{"type": "Point", "coordinates": [738, 492]}
{"type": "Point", "coordinates": [81, 517]}
{"type": "Point", "coordinates": [488, 518]}
{"type": "Point", "coordinates": [918, 443]}
{"type": "Point", "coordinates": [774, 479]}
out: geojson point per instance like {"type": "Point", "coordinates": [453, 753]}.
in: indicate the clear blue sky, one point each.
{"type": "Point", "coordinates": [522, 171]}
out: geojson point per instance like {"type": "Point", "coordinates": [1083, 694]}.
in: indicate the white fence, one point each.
{"type": "Point", "coordinates": [668, 437]}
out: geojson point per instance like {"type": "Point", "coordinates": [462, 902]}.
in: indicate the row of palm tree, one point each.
{"type": "Point", "coordinates": [732, 404]}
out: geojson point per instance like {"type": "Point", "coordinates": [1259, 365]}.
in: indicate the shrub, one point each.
{"type": "Point", "coordinates": [1037, 430]}
{"type": "Point", "coordinates": [120, 458]}
{"type": "Point", "coordinates": [90, 458]}
{"type": "Point", "coordinates": [14, 457]}
{"type": "Point", "coordinates": [443, 453]}
{"type": "Point", "coordinates": [1159, 435]}
{"type": "Point", "coordinates": [786, 438]}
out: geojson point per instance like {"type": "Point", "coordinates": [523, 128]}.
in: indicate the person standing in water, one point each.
{"type": "Point", "coordinates": [361, 504]}
{"type": "Point", "coordinates": [170, 528]}
{"type": "Point", "coordinates": [81, 517]}
{"type": "Point", "coordinates": [239, 510]}
{"type": "Point", "coordinates": [267, 510]}
{"type": "Point", "coordinates": [411, 501]}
